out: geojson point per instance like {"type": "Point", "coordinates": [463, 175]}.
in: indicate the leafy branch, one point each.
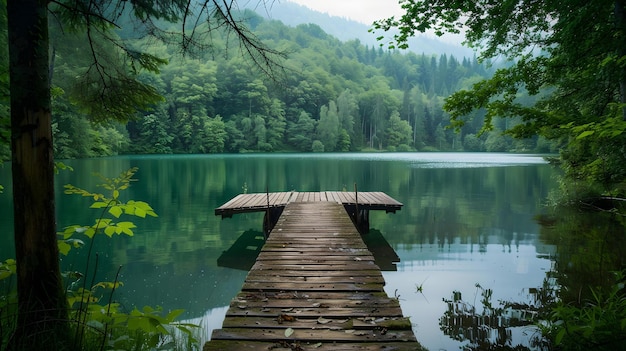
{"type": "Point", "coordinates": [108, 204]}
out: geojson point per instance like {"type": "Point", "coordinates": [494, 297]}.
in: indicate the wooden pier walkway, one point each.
{"type": "Point", "coordinates": [314, 286]}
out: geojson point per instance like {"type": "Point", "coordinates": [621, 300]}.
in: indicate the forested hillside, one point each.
{"type": "Point", "coordinates": [334, 96]}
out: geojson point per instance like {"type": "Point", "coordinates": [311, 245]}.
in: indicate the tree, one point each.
{"type": "Point", "coordinates": [571, 55]}
{"type": "Point", "coordinates": [276, 124]}
{"type": "Point", "coordinates": [154, 137]}
{"type": "Point", "coordinates": [328, 126]}
{"type": "Point", "coordinates": [347, 110]}
{"type": "Point", "coordinates": [41, 298]}
{"type": "Point", "coordinates": [398, 131]}
{"type": "Point", "coordinates": [214, 135]}
{"type": "Point", "coordinates": [106, 91]}
{"type": "Point", "coordinates": [301, 133]}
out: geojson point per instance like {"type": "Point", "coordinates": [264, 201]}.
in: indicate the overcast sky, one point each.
{"type": "Point", "coordinates": [364, 11]}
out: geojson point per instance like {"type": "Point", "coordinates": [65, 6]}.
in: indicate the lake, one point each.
{"type": "Point", "coordinates": [468, 225]}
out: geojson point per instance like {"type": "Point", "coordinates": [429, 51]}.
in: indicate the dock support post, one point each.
{"type": "Point", "coordinates": [270, 219]}
{"type": "Point", "coordinates": [356, 205]}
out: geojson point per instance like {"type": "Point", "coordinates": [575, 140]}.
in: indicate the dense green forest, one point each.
{"type": "Point", "coordinates": [332, 96]}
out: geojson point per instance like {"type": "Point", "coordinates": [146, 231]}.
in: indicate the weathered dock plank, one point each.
{"type": "Point", "coordinates": [314, 286]}
{"type": "Point", "coordinates": [236, 345]}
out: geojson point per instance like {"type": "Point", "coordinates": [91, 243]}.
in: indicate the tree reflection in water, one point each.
{"type": "Point", "coordinates": [561, 314]}
{"type": "Point", "coordinates": [491, 328]}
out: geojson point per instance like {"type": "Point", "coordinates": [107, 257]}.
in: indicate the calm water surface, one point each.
{"type": "Point", "coordinates": [467, 221]}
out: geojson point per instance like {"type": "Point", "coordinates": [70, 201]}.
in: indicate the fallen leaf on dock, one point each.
{"type": "Point", "coordinates": [288, 332]}
{"type": "Point", "coordinates": [322, 320]}
{"type": "Point", "coordinates": [287, 318]}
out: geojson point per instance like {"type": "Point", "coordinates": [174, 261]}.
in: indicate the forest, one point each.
{"type": "Point", "coordinates": [329, 96]}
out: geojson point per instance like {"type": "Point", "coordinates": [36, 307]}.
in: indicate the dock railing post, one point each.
{"type": "Point", "coordinates": [267, 213]}
{"type": "Point", "coordinates": [356, 205]}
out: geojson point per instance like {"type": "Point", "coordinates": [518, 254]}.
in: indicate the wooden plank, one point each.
{"type": "Point", "coordinates": [366, 199]}
{"type": "Point", "coordinates": [285, 303]}
{"type": "Point", "coordinates": [318, 257]}
{"type": "Point", "coordinates": [304, 274]}
{"type": "Point", "coordinates": [306, 286]}
{"type": "Point", "coordinates": [273, 198]}
{"type": "Point", "coordinates": [347, 197]}
{"type": "Point", "coordinates": [263, 295]}
{"type": "Point", "coordinates": [365, 310]}
{"type": "Point", "coordinates": [314, 267]}
{"type": "Point", "coordinates": [252, 200]}
{"type": "Point", "coordinates": [297, 278]}
{"type": "Point", "coordinates": [300, 197]}
{"type": "Point", "coordinates": [311, 335]}
{"type": "Point", "coordinates": [317, 254]}
{"type": "Point", "coordinates": [284, 200]}
{"type": "Point", "coordinates": [288, 345]}
{"type": "Point", "coordinates": [230, 203]}
{"type": "Point", "coordinates": [279, 322]}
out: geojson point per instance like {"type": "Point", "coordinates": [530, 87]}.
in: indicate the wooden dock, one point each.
{"type": "Point", "coordinates": [358, 205]}
{"type": "Point", "coordinates": [314, 286]}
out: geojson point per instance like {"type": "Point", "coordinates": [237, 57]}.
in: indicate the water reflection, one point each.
{"type": "Point", "coordinates": [244, 251]}
{"type": "Point", "coordinates": [467, 219]}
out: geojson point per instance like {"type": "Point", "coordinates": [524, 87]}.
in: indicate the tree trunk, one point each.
{"type": "Point", "coordinates": [42, 305]}
{"type": "Point", "coordinates": [620, 20]}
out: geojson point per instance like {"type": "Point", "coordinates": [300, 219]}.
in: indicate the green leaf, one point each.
{"type": "Point", "coordinates": [64, 248]}
{"type": "Point", "coordinates": [109, 231]}
{"type": "Point", "coordinates": [288, 332]}
{"type": "Point", "coordinates": [126, 228]}
{"type": "Point", "coordinates": [559, 336]}
{"type": "Point", "coordinates": [140, 212]}
{"type": "Point", "coordinates": [116, 194]}
{"type": "Point", "coordinates": [90, 232]}
{"type": "Point", "coordinates": [9, 265]}
{"type": "Point", "coordinates": [174, 314]}
{"type": "Point", "coordinates": [140, 323]}
{"type": "Point", "coordinates": [116, 211]}
{"type": "Point", "coordinates": [585, 134]}
{"type": "Point", "coordinates": [109, 285]}
{"type": "Point", "coordinates": [98, 204]}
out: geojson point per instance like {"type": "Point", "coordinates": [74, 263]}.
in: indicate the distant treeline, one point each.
{"type": "Point", "coordinates": [333, 96]}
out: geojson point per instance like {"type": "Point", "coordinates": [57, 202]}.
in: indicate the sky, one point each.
{"type": "Point", "coordinates": [364, 11]}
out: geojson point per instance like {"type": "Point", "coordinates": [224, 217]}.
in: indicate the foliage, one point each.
{"type": "Point", "coordinates": [597, 324]}
{"type": "Point", "coordinates": [317, 146]}
{"type": "Point", "coordinates": [107, 204]}
{"type": "Point", "coordinates": [399, 132]}
{"type": "Point", "coordinates": [570, 56]}
{"type": "Point", "coordinates": [98, 321]}
{"type": "Point", "coordinates": [348, 90]}
{"type": "Point", "coordinates": [588, 279]}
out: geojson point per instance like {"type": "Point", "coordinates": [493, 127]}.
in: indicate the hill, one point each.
{"type": "Point", "coordinates": [292, 14]}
